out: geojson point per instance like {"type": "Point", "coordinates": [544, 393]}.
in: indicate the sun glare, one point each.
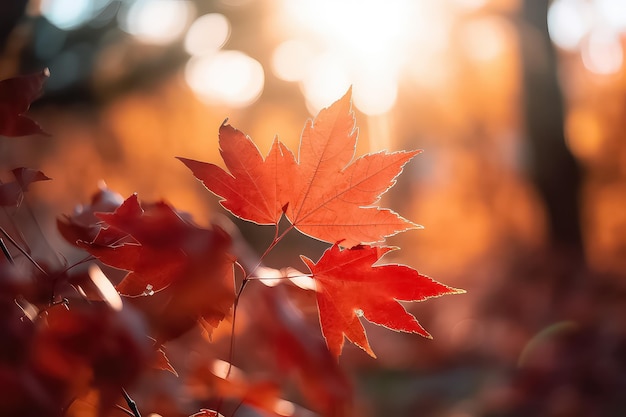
{"type": "Point", "coordinates": [364, 43]}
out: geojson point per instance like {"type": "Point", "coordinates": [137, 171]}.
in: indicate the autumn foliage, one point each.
{"type": "Point", "coordinates": [74, 339]}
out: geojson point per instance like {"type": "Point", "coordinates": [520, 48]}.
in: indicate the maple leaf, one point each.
{"type": "Point", "coordinates": [83, 225]}
{"type": "Point", "coordinates": [324, 193]}
{"type": "Point", "coordinates": [349, 286]}
{"type": "Point", "coordinates": [162, 362]}
{"type": "Point", "coordinates": [16, 95]}
{"type": "Point", "coordinates": [253, 189]}
{"type": "Point", "coordinates": [187, 269]}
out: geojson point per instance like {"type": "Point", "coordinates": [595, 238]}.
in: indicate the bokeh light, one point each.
{"type": "Point", "coordinates": [568, 22]}
{"type": "Point", "coordinates": [602, 52]}
{"type": "Point", "coordinates": [207, 34]}
{"type": "Point", "coordinates": [485, 38]}
{"type": "Point", "coordinates": [290, 58]}
{"type": "Point", "coordinates": [593, 28]}
{"type": "Point", "coordinates": [230, 78]}
{"type": "Point", "coordinates": [336, 46]}
{"type": "Point", "coordinates": [157, 21]}
{"type": "Point", "coordinates": [70, 14]}
{"type": "Point", "coordinates": [325, 78]}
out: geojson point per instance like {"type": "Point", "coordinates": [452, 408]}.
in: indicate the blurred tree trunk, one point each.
{"type": "Point", "coordinates": [553, 170]}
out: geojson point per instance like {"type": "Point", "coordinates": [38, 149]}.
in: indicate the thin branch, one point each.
{"type": "Point", "coordinates": [6, 252]}
{"type": "Point", "coordinates": [131, 404]}
{"type": "Point", "coordinates": [26, 254]}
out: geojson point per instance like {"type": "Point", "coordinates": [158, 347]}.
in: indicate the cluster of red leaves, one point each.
{"type": "Point", "coordinates": [328, 195]}
{"type": "Point", "coordinates": [179, 275]}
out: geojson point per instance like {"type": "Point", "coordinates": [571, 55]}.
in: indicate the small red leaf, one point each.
{"type": "Point", "coordinates": [350, 286]}
{"type": "Point", "coordinates": [162, 362]}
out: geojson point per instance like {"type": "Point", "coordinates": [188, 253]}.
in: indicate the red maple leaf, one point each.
{"type": "Point", "coordinates": [83, 225]}
{"type": "Point", "coordinates": [186, 270]}
{"type": "Point", "coordinates": [349, 286]}
{"type": "Point", "coordinates": [16, 95]}
{"type": "Point", "coordinates": [325, 193]}
{"type": "Point", "coordinates": [254, 188]}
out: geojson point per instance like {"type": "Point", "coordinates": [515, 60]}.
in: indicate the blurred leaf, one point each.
{"type": "Point", "coordinates": [162, 362]}
{"type": "Point", "coordinates": [16, 95]}
{"type": "Point", "coordinates": [187, 270]}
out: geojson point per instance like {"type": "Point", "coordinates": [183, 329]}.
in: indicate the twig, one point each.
{"type": "Point", "coordinates": [26, 254]}
{"type": "Point", "coordinates": [6, 252]}
{"type": "Point", "coordinates": [131, 404]}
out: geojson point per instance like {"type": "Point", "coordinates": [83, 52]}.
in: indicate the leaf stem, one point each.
{"type": "Point", "coordinates": [277, 238]}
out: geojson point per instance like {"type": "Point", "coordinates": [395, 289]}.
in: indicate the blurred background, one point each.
{"type": "Point", "coordinates": [518, 105]}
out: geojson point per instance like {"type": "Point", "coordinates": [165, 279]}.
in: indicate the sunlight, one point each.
{"type": "Point", "coordinates": [613, 13]}
{"type": "Point", "coordinates": [366, 44]}
{"type": "Point", "coordinates": [105, 288]}
{"type": "Point", "coordinates": [288, 59]}
{"type": "Point", "coordinates": [284, 408]}
{"type": "Point", "coordinates": [326, 79]}
{"type": "Point", "coordinates": [485, 38]}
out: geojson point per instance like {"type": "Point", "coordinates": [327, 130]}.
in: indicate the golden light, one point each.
{"type": "Point", "coordinates": [229, 78]}
{"type": "Point", "coordinates": [288, 60]}
{"type": "Point", "coordinates": [583, 133]}
{"type": "Point", "coordinates": [326, 79]}
{"type": "Point", "coordinates": [284, 408]}
{"type": "Point", "coordinates": [484, 39]}
{"type": "Point", "coordinates": [366, 44]}
{"type": "Point", "coordinates": [105, 288]}
{"type": "Point", "coordinates": [375, 91]}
